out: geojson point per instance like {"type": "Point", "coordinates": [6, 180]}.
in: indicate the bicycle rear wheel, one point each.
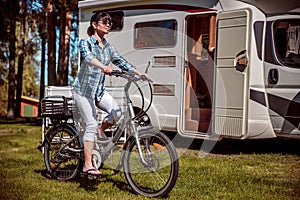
{"type": "Point", "coordinates": [158, 176]}
{"type": "Point", "coordinates": [61, 163]}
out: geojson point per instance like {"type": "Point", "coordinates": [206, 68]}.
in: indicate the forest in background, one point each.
{"type": "Point", "coordinates": [38, 47]}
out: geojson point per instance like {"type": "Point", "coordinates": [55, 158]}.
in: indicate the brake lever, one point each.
{"type": "Point", "coordinates": [145, 78]}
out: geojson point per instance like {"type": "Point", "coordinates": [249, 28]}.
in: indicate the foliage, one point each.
{"type": "Point", "coordinates": [3, 68]}
{"type": "Point", "coordinates": [31, 63]}
{"type": "Point", "coordinates": [35, 34]}
{"type": "Point", "coordinates": [216, 176]}
{"type": "Point", "coordinates": [30, 79]}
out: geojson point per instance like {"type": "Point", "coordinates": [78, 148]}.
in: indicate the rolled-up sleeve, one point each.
{"type": "Point", "coordinates": [85, 50]}
{"type": "Point", "coordinates": [119, 61]}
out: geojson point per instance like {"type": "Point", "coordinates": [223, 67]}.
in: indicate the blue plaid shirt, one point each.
{"type": "Point", "coordinates": [90, 79]}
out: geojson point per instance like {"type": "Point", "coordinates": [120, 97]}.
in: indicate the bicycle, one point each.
{"type": "Point", "coordinates": [148, 158]}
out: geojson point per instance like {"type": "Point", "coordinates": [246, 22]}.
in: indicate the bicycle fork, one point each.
{"type": "Point", "coordinates": [147, 144]}
{"type": "Point", "coordinates": [136, 133]}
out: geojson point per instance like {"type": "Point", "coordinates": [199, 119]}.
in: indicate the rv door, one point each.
{"type": "Point", "coordinates": [231, 77]}
{"type": "Point", "coordinates": [282, 73]}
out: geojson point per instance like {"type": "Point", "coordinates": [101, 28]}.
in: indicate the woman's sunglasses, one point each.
{"type": "Point", "coordinates": [106, 21]}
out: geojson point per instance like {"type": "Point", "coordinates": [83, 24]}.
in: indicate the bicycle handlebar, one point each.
{"type": "Point", "coordinates": [129, 76]}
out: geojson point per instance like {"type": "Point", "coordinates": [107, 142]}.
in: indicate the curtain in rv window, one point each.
{"type": "Point", "coordinates": [155, 34]}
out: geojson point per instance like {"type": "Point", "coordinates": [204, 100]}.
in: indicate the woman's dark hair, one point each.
{"type": "Point", "coordinates": [95, 18]}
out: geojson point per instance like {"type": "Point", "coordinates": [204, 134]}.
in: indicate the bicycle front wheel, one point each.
{"type": "Point", "coordinates": [158, 175]}
{"type": "Point", "coordinates": [61, 163]}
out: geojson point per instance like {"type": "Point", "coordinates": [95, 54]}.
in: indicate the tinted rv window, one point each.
{"type": "Point", "coordinates": [287, 42]}
{"type": "Point", "coordinates": [155, 34]}
{"type": "Point", "coordinates": [117, 20]}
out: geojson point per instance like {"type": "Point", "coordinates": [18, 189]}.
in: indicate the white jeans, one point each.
{"type": "Point", "coordinates": [87, 109]}
{"type": "Point", "coordinates": [108, 104]}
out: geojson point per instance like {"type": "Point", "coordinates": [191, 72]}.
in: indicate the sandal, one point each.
{"type": "Point", "coordinates": [88, 173]}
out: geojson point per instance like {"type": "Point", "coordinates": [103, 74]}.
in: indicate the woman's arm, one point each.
{"type": "Point", "coordinates": [106, 69]}
{"type": "Point", "coordinates": [86, 53]}
{"type": "Point", "coordinates": [137, 72]}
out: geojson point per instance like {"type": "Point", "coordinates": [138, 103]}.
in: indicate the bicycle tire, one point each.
{"type": "Point", "coordinates": [158, 177]}
{"type": "Point", "coordinates": [63, 166]}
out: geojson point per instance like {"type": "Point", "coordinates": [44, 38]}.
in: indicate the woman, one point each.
{"type": "Point", "coordinates": [89, 91]}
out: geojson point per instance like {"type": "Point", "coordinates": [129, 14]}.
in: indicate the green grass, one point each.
{"type": "Point", "coordinates": [216, 176]}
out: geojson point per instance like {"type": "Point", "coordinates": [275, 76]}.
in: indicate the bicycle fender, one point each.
{"type": "Point", "coordinates": [141, 130]}
{"type": "Point", "coordinates": [46, 139]}
{"type": "Point", "coordinates": [147, 129]}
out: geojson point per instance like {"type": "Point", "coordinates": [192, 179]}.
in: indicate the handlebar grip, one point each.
{"type": "Point", "coordinates": [129, 76]}
{"type": "Point", "coordinates": [116, 72]}
{"type": "Point", "coordinates": [145, 78]}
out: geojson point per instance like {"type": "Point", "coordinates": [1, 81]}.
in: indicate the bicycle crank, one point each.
{"type": "Point", "coordinates": [97, 159]}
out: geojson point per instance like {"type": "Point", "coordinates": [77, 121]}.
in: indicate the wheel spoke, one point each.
{"type": "Point", "coordinates": [60, 163]}
{"type": "Point", "coordinates": [158, 176]}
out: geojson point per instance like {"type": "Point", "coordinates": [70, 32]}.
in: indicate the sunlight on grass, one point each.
{"type": "Point", "coordinates": [216, 176]}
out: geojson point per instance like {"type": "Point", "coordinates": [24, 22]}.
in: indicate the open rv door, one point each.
{"type": "Point", "coordinates": [231, 73]}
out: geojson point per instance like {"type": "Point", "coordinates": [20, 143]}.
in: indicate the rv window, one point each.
{"type": "Point", "coordinates": [155, 34]}
{"type": "Point", "coordinates": [287, 41]}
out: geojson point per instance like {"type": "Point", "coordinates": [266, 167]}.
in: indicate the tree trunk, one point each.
{"type": "Point", "coordinates": [67, 45]}
{"type": "Point", "coordinates": [65, 30]}
{"type": "Point", "coordinates": [21, 60]}
{"type": "Point", "coordinates": [51, 18]}
{"type": "Point", "coordinates": [43, 35]}
{"type": "Point", "coordinates": [62, 27]}
{"type": "Point", "coordinates": [11, 73]}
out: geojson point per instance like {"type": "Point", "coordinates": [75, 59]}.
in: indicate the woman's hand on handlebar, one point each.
{"type": "Point", "coordinates": [131, 76]}
{"type": "Point", "coordinates": [142, 76]}
{"type": "Point", "coordinates": [107, 70]}
{"type": "Point", "coordinates": [138, 73]}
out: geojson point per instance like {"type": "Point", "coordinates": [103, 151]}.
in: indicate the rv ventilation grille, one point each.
{"type": "Point", "coordinates": [164, 61]}
{"type": "Point", "coordinates": [166, 90]}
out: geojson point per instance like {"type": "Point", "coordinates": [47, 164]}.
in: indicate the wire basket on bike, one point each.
{"type": "Point", "coordinates": [56, 107]}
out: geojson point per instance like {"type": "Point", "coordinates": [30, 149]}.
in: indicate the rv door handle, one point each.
{"type": "Point", "coordinates": [241, 61]}
{"type": "Point", "coordinates": [273, 76]}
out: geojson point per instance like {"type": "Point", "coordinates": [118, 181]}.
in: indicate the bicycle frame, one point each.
{"type": "Point", "coordinates": [127, 122]}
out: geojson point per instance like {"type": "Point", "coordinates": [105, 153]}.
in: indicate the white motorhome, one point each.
{"type": "Point", "coordinates": [220, 68]}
